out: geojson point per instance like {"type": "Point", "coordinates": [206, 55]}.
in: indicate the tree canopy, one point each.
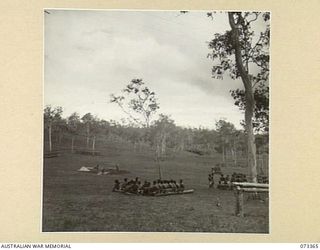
{"type": "Point", "coordinates": [138, 102]}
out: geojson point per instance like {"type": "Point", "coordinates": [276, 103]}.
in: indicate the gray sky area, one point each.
{"type": "Point", "coordinates": [91, 54]}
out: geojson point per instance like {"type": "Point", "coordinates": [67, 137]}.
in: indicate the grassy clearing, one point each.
{"type": "Point", "coordinates": [77, 201]}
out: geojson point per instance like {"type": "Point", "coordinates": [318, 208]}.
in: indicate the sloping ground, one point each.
{"type": "Point", "coordinates": [74, 201]}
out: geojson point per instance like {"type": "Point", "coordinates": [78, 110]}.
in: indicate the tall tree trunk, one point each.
{"type": "Point", "coordinates": [93, 144]}
{"type": "Point", "coordinates": [223, 154]}
{"type": "Point", "coordinates": [50, 137]}
{"type": "Point", "coordinates": [159, 168]}
{"type": "Point", "coordinates": [157, 158]}
{"type": "Point", "coordinates": [235, 153]}
{"type": "Point", "coordinates": [163, 144]}
{"type": "Point", "coordinates": [182, 146]}
{"type": "Point", "coordinates": [252, 159]}
{"type": "Point", "coordinates": [60, 137]}
{"type": "Point", "coordinates": [158, 155]}
{"type": "Point", "coordinates": [72, 144]}
{"type": "Point", "coordinates": [246, 79]}
{"type": "Point", "coordinates": [88, 133]}
{"type": "Point", "coordinates": [232, 152]}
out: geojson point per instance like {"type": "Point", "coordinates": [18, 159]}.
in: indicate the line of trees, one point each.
{"type": "Point", "coordinates": [161, 135]}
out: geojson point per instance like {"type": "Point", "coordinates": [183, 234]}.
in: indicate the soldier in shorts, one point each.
{"type": "Point", "coordinates": [124, 184]}
{"type": "Point", "coordinates": [181, 186]}
{"type": "Point", "coordinates": [116, 186]}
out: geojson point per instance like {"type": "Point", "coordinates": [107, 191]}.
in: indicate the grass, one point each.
{"type": "Point", "coordinates": [77, 201]}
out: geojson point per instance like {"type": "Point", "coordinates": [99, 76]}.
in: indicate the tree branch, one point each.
{"type": "Point", "coordinates": [235, 35]}
{"type": "Point", "coordinates": [256, 17]}
{"type": "Point", "coordinates": [128, 113]}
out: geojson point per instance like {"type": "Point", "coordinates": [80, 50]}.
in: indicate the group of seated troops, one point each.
{"type": "Point", "coordinates": [225, 182]}
{"type": "Point", "coordinates": [135, 186]}
{"type": "Point", "coordinates": [238, 177]}
{"type": "Point", "coordinates": [214, 171]}
{"type": "Point", "coordinates": [263, 179]}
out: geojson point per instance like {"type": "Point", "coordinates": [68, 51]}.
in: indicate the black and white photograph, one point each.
{"type": "Point", "coordinates": [156, 121]}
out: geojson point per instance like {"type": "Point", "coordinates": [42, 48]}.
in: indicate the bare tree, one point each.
{"type": "Point", "coordinates": [138, 102]}
{"type": "Point", "coordinates": [161, 131]}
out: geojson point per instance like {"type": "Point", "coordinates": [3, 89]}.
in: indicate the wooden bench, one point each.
{"type": "Point", "coordinates": [242, 187]}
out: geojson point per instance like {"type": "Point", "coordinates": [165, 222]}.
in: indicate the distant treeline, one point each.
{"type": "Point", "coordinates": [161, 135]}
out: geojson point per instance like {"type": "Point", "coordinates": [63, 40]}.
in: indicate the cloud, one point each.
{"type": "Point", "coordinates": [91, 54]}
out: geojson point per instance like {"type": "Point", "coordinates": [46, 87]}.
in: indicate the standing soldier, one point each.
{"type": "Point", "coordinates": [116, 186]}
{"type": "Point", "coordinates": [211, 182]}
{"type": "Point", "coordinates": [181, 186]}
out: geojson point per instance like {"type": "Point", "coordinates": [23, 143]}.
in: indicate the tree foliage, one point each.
{"type": "Point", "coordinates": [254, 48]}
{"type": "Point", "coordinates": [73, 122]}
{"type": "Point", "coordinates": [226, 133]}
{"type": "Point", "coordinates": [138, 102]}
{"type": "Point", "coordinates": [87, 118]}
{"type": "Point", "coordinates": [261, 109]}
{"type": "Point", "coordinates": [52, 115]}
{"type": "Point", "coordinates": [255, 57]}
{"type": "Point", "coordinates": [161, 131]}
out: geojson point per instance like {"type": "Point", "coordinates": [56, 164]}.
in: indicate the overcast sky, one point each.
{"type": "Point", "coordinates": [91, 54]}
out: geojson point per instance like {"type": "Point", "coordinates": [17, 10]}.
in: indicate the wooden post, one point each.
{"type": "Point", "coordinates": [242, 187]}
{"type": "Point", "coordinates": [239, 201]}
